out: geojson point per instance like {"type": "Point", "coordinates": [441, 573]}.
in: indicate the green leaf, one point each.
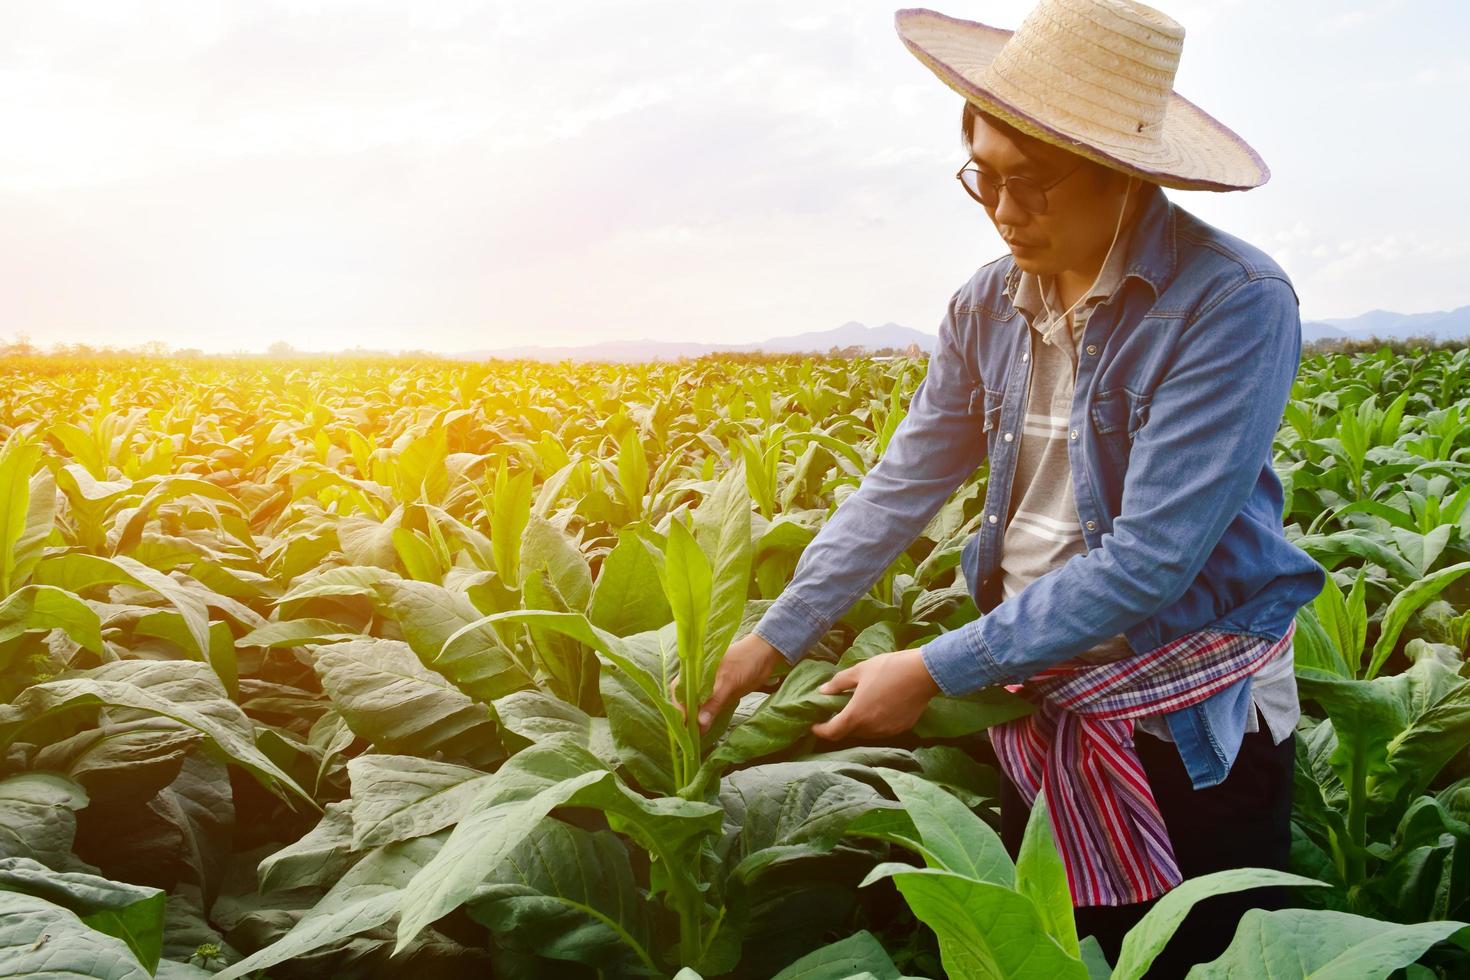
{"type": "Point", "coordinates": [296, 632]}
{"type": "Point", "coordinates": [975, 783]}
{"type": "Point", "coordinates": [169, 625]}
{"type": "Point", "coordinates": [860, 954]}
{"type": "Point", "coordinates": [546, 544]}
{"type": "Point", "coordinates": [1313, 648]}
{"type": "Point", "coordinates": [77, 571]}
{"type": "Point", "coordinates": [365, 541]}
{"type": "Point", "coordinates": [38, 816]}
{"type": "Point", "coordinates": [317, 859]}
{"type": "Point", "coordinates": [954, 838]}
{"type": "Point", "coordinates": [645, 729]}
{"type": "Point", "coordinates": [41, 939]}
{"type": "Point", "coordinates": [347, 580]}
{"type": "Point", "coordinates": [416, 554]}
{"type": "Point", "coordinates": [1423, 550]}
{"type": "Point", "coordinates": [688, 583]}
{"type": "Point", "coordinates": [366, 897]}
{"type": "Point", "coordinates": [722, 529]}
{"type": "Point", "coordinates": [1366, 717]}
{"type": "Point", "coordinates": [30, 546]}
{"type": "Point", "coordinates": [18, 526]}
{"type": "Point", "coordinates": [1318, 943]}
{"type": "Point", "coordinates": [628, 597]}
{"type": "Point", "coordinates": [132, 913]}
{"type": "Point", "coordinates": [524, 791]}
{"type": "Point", "coordinates": [535, 716]}
{"type": "Point", "coordinates": [1331, 611]}
{"type": "Point", "coordinates": [387, 696]}
{"type": "Point", "coordinates": [1404, 605]}
{"type": "Point", "coordinates": [633, 660]}
{"type": "Point", "coordinates": [45, 607]}
{"type": "Point", "coordinates": [399, 797]}
{"type": "Point", "coordinates": [170, 487]}
{"type": "Point", "coordinates": [1096, 961]}
{"type": "Point", "coordinates": [510, 512]}
{"type": "Point", "coordinates": [124, 763]}
{"type": "Point", "coordinates": [785, 811]}
{"type": "Point", "coordinates": [633, 471]}
{"type": "Point", "coordinates": [1042, 877]}
{"type": "Point", "coordinates": [985, 930]}
{"type": "Point", "coordinates": [1147, 939]}
{"type": "Point", "coordinates": [186, 691]}
{"type": "Point", "coordinates": [570, 670]}
{"type": "Point", "coordinates": [947, 717]}
{"type": "Point", "coordinates": [442, 626]}
{"type": "Point", "coordinates": [569, 894]}
{"type": "Point", "coordinates": [1437, 702]}
{"type": "Point", "coordinates": [1329, 549]}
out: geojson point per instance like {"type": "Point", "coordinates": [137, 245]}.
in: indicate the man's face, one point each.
{"type": "Point", "coordinates": [1078, 224]}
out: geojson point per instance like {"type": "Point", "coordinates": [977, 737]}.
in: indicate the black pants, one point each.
{"type": "Point", "coordinates": [1242, 822]}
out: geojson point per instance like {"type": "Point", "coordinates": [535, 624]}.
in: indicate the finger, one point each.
{"type": "Point", "coordinates": [718, 697]}
{"type": "Point", "coordinates": [674, 697]}
{"type": "Point", "coordinates": [843, 680]}
{"type": "Point", "coordinates": [838, 726]}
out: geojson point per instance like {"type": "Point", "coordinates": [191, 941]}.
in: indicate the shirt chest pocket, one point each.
{"type": "Point", "coordinates": [987, 402]}
{"type": "Point", "coordinates": [1118, 414]}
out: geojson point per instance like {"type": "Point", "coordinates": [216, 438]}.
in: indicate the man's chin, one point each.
{"type": "Point", "coordinates": [1029, 259]}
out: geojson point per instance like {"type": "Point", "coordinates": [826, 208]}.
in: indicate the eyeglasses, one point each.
{"type": "Point", "coordinates": [1026, 192]}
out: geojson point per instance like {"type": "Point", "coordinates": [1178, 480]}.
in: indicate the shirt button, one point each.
{"type": "Point", "coordinates": [1074, 435]}
{"type": "Point", "coordinates": [1025, 357]}
{"type": "Point", "coordinates": [1092, 348]}
{"type": "Point", "coordinates": [992, 518]}
{"type": "Point", "coordinates": [1008, 437]}
{"type": "Point", "coordinates": [1092, 525]}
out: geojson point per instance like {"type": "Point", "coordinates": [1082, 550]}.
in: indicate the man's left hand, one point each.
{"type": "Point", "coordinates": [889, 693]}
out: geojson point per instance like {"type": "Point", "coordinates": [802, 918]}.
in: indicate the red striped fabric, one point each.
{"type": "Point", "coordinates": [1078, 745]}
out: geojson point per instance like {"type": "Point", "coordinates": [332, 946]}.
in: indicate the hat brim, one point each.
{"type": "Point", "coordinates": [1195, 150]}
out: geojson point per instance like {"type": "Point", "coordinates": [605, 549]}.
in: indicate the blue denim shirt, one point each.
{"type": "Point", "coordinates": [1183, 375]}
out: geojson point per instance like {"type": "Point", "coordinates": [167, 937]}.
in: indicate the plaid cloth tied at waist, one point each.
{"type": "Point", "coordinates": [1078, 744]}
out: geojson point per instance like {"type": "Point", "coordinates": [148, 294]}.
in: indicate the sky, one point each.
{"type": "Point", "coordinates": [447, 175]}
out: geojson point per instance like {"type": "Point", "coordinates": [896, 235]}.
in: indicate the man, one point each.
{"type": "Point", "coordinates": [1125, 370]}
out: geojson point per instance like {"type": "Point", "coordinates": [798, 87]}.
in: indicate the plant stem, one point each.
{"type": "Point", "coordinates": [688, 906]}
{"type": "Point", "coordinates": [1358, 816]}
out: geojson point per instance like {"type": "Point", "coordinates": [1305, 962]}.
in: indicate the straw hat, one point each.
{"type": "Point", "coordinates": [1094, 77]}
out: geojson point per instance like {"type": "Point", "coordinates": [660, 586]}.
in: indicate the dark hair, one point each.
{"type": "Point", "coordinates": [1100, 174]}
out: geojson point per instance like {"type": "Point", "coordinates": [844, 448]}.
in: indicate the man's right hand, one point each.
{"type": "Point", "coordinates": [747, 664]}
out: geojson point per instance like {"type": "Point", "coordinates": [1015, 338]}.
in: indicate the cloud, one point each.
{"type": "Point", "coordinates": [1347, 278]}
{"type": "Point", "coordinates": [1350, 20]}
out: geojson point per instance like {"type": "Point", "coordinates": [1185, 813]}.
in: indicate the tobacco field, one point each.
{"type": "Point", "coordinates": [361, 668]}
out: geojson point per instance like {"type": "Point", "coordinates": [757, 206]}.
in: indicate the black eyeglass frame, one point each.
{"type": "Point", "coordinates": [1000, 185]}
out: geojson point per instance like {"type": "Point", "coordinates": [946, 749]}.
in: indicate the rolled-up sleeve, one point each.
{"type": "Point", "coordinates": [1193, 465]}
{"type": "Point", "coordinates": [939, 443]}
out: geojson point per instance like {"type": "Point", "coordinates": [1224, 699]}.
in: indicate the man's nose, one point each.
{"type": "Point", "coordinates": [1008, 213]}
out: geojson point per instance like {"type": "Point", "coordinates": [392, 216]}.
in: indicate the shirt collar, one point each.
{"type": "Point", "coordinates": [1037, 294]}
{"type": "Point", "coordinates": [1149, 254]}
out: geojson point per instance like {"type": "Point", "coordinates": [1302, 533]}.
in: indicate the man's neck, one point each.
{"type": "Point", "coordinates": [1073, 284]}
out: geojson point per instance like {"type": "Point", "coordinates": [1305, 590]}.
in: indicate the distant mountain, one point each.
{"type": "Point", "coordinates": [1386, 325]}
{"type": "Point", "coordinates": [1383, 324]}
{"type": "Point", "coordinates": [850, 334]}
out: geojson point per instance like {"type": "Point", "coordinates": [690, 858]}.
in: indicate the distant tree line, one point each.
{"type": "Point", "coordinates": [1399, 345]}
{"type": "Point", "coordinates": [21, 346]}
